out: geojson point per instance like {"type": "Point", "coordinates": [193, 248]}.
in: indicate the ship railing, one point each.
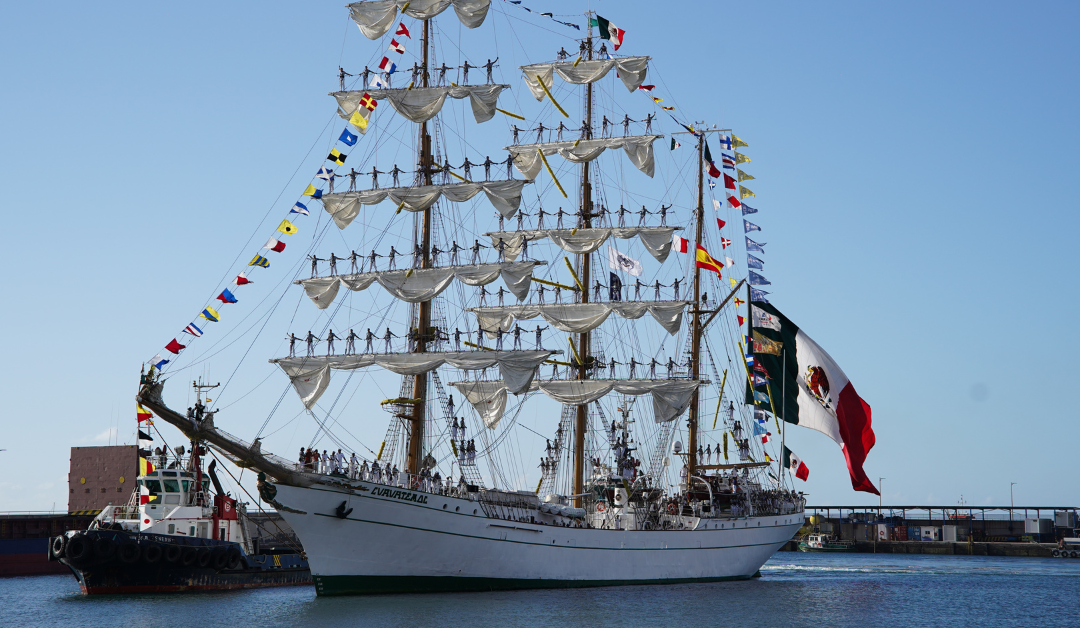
{"type": "Point", "coordinates": [414, 482]}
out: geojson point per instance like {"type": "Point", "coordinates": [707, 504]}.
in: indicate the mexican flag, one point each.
{"type": "Point", "coordinates": [796, 465]}
{"type": "Point", "coordinates": [608, 30]}
{"type": "Point", "coordinates": [815, 392]}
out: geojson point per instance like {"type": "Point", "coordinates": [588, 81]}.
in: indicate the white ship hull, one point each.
{"type": "Point", "coordinates": [398, 540]}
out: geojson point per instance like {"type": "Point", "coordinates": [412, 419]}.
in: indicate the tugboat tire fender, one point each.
{"type": "Point", "coordinates": [220, 558]}
{"type": "Point", "coordinates": [173, 553]}
{"type": "Point", "coordinates": [190, 555]}
{"type": "Point", "coordinates": [58, 545]}
{"type": "Point", "coordinates": [104, 547]}
{"type": "Point", "coordinates": [204, 556]}
{"type": "Point", "coordinates": [129, 551]}
{"type": "Point", "coordinates": [1074, 554]}
{"type": "Point", "coordinates": [78, 548]}
{"type": "Point", "coordinates": [152, 553]}
{"type": "Point", "coordinates": [232, 560]}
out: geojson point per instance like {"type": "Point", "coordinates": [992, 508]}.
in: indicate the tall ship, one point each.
{"type": "Point", "coordinates": [547, 319]}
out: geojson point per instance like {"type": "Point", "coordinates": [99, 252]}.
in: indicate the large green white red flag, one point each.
{"type": "Point", "coordinates": [814, 392]}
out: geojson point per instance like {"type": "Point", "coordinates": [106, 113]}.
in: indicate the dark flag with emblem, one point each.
{"type": "Point", "coordinates": [615, 287]}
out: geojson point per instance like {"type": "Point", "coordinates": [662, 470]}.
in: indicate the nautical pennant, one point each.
{"type": "Point", "coordinates": [749, 226]}
{"type": "Point", "coordinates": [737, 143]}
{"type": "Point", "coordinates": [743, 176]}
{"type": "Point", "coordinates": [746, 210]}
{"type": "Point", "coordinates": [175, 347]}
{"type": "Point", "coordinates": [242, 279]}
{"type": "Point", "coordinates": [226, 296]}
{"type": "Point", "coordinates": [674, 144]}
{"type": "Point", "coordinates": [325, 173]}
{"type": "Point", "coordinates": [755, 263]}
{"type": "Point", "coordinates": [795, 464]}
{"type": "Point", "coordinates": [141, 413]}
{"type": "Point", "coordinates": [347, 138]}
{"type": "Point", "coordinates": [259, 261]}
{"type": "Point", "coordinates": [725, 242]}
{"type": "Point", "coordinates": [729, 181]}
{"type": "Point", "coordinates": [337, 156]}
{"type": "Point", "coordinates": [367, 102]}
{"type": "Point", "coordinates": [758, 296]}
{"type": "Point", "coordinates": [758, 280]}
{"type": "Point", "coordinates": [646, 88]}
{"type": "Point", "coordinates": [402, 30]}
{"type": "Point", "coordinates": [158, 361]}
{"type": "Point", "coordinates": [720, 223]}
{"type": "Point", "coordinates": [734, 202]}
{"type": "Point", "coordinates": [193, 330]}
{"type": "Point", "coordinates": [725, 141]}
{"type": "Point", "coordinates": [287, 227]}
{"type": "Point", "coordinates": [755, 246]}
{"type": "Point", "coordinates": [681, 244]}
{"type": "Point", "coordinates": [210, 314]}
{"type": "Point", "coordinates": [744, 192]}
{"type": "Point", "coordinates": [312, 191]}
{"type": "Point", "coordinates": [359, 120]}
{"type": "Point", "coordinates": [274, 245]}
{"type": "Point", "coordinates": [396, 47]}
{"type": "Point", "coordinates": [741, 159]}
{"type": "Point", "coordinates": [299, 208]}
{"type": "Point", "coordinates": [388, 66]}
{"type": "Point", "coordinates": [377, 82]}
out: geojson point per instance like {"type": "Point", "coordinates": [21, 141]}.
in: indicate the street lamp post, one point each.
{"type": "Point", "coordinates": [1011, 505]}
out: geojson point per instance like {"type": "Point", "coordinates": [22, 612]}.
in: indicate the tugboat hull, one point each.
{"type": "Point", "coordinates": [111, 561]}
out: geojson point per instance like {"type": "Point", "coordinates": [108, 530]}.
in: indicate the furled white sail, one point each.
{"type": "Point", "coordinates": [670, 397]}
{"type": "Point", "coordinates": [423, 284]}
{"type": "Point", "coordinates": [376, 17]}
{"type": "Point", "coordinates": [657, 240]}
{"type": "Point", "coordinates": [311, 376]}
{"type": "Point", "coordinates": [631, 70]}
{"type": "Point", "coordinates": [344, 207]}
{"type": "Point", "coordinates": [579, 317]}
{"type": "Point", "coordinates": [638, 149]}
{"type": "Point", "coordinates": [420, 104]}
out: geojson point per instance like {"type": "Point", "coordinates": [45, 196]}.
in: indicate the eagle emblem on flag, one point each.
{"type": "Point", "coordinates": [817, 382]}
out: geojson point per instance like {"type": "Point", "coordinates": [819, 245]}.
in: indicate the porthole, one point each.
{"type": "Point", "coordinates": [457, 509]}
{"type": "Point", "coordinates": [474, 511]}
{"type": "Point", "coordinates": [444, 506]}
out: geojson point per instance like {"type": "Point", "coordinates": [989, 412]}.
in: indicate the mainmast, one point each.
{"type": "Point", "coordinates": [583, 354]}
{"type": "Point", "coordinates": [423, 317]}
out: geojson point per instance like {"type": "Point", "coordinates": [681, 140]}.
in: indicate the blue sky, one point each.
{"type": "Point", "coordinates": [912, 165]}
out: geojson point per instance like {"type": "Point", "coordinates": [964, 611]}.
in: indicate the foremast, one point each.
{"type": "Point", "coordinates": [584, 261]}
{"type": "Point", "coordinates": [422, 319]}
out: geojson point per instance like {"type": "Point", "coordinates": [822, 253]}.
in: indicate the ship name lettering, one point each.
{"type": "Point", "coordinates": [402, 495]}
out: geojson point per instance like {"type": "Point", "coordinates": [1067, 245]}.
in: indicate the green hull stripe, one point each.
{"type": "Point", "coordinates": [370, 585]}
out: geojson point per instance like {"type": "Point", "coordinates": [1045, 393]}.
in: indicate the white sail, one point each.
{"type": "Point", "coordinates": [420, 104]}
{"type": "Point", "coordinates": [579, 317]}
{"type": "Point", "coordinates": [344, 207]}
{"type": "Point", "coordinates": [670, 397]}
{"type": "Point", "coordinates": [423, 284]}
{"type": "Point", "coordinates": [311, 375]}
{"type": "Point", "coordinates": [657, 240]}
{"type": "Point", "coordinates": [376, 17]}
{"type": "Point", "coordinates": [638, 149]}
{"type": "Point", "coordinates": [631, 70]}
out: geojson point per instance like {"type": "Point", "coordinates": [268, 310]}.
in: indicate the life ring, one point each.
{"type": "Point", "coordinates": [600, 507]}
{"type": "Point", "coordinates": [672, 508]}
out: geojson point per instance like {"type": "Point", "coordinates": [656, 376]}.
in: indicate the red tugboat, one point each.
{"type": "Point", "coordinates": [171, 536]}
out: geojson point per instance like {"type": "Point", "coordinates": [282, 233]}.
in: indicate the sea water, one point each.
{"type": "Point", "coordinates": [820, 590]}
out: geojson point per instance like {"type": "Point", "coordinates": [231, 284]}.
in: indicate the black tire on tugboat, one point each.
{"type": "Point", "coordinates": [1055, 553]}
{"type": "Point", "coordinates": [191, 554]}
{"type": "Point", "coordinates": [152, 553]}
{"type": "Point", "coordinates": [129, 551]}
{"type": "Point", "coordinates": [1074, 554]}
{"type": "Point", "coordinates": [78, 548]}
{"type": "Point", "coordinates": [219, 558]}
{"type": "Point", "coordinates": [58, 545]}
{"type": "Point", "coordinates": [173, 553]}
{"type": "Point", "coordinates": [232, 558]}
{"type": "Point", "coordinates": [205, 556]}
{"type": "Point", "coordinates": [104, 547]}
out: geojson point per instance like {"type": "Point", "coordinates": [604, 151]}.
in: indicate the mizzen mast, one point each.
{"type": "Point", "coordinates": [426, 163]}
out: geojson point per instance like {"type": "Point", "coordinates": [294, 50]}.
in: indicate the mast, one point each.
{"type": "Point", "coordinates": [695, 320]}
{"type": "Point", "coordinates": [423, 316]}
{"type": "Point", "coordinates": [581, 419]}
